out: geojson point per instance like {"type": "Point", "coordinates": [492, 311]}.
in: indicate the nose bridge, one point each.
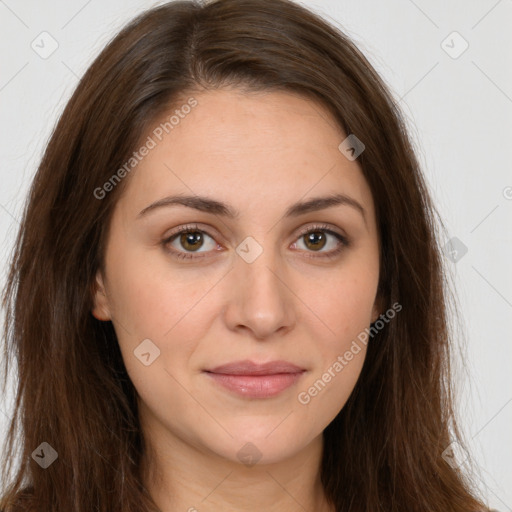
{"type": "Point", "coordinates": [261, 300]}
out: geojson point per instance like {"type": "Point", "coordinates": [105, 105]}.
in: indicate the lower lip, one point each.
{"type": "Point", "coordinates": [256, 386]}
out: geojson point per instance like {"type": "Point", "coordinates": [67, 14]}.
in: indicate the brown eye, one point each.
{"type": "Point", "coordinates": [191, 241]}
{"type": "Point", "coordinates": [315, 240]}
{"type": "Point", "coordinates": [187, 241]}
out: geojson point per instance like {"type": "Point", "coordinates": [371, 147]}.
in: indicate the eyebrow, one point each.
{"type": "Point", "coordinates": [208, 205]}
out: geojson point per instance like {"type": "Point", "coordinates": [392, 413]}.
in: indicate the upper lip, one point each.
{"type": "Point", "coordinates": [248, 367]}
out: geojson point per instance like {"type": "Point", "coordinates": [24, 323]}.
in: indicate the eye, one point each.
{"type": "Point", "coordinates": [190, 238]}
{"type": "Point", "coordinates": [316, 238]}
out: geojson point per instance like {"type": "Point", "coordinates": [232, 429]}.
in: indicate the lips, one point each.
{"type": "Point", "coordinates": [247, 367]}
{"type": "Point", "coordinates": [254, 380]}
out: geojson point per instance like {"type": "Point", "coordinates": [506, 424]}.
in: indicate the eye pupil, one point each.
{"type": "Point", "coordinates": [189, 239]}
{"type": "Point", "coordinates": [314, 238]}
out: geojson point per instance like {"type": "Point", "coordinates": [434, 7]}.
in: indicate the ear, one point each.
{"type": "Point", "coordinates": [100, 310]}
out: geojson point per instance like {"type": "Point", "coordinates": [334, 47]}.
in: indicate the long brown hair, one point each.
{"type": "Point", "coordinates": [384, 450]}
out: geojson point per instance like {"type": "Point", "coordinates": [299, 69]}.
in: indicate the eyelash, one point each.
{"type": "Point", "coordinates": [192, 228]}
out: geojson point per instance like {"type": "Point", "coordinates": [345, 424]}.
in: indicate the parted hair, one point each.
{"type": "Point", "coordinates": [384, 451]}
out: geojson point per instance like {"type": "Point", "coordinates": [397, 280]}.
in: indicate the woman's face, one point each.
{"type": "Point", "coordinates": [243, 287]}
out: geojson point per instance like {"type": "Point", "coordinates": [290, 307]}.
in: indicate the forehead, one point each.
{"type": "Point", "coordinates": [247, 147]}
{"type": "Point", "coordinates": [229, 122]}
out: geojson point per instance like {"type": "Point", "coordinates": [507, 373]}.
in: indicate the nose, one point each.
{"type": "Point", "coordinates": [260, 300]}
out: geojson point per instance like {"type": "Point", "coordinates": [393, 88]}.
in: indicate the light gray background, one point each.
{"type": "Point", "coordinates": [460, 114]}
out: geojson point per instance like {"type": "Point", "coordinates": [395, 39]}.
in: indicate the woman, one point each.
{"type": "Point", "coordinates": [227, 290]}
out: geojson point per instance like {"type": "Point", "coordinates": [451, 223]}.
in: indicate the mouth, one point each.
{"type": "Point", "coordinates": [253, 380]}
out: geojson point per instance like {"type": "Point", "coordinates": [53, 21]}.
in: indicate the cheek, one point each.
{"type": "Point", "coordinates": [344, 306]}
{"type": "Point", "coordinates": [324, 394]}
{"type": "Point", "coordinates": [149, 296]}
{"type": "Point", "coordinates": [171, 308]}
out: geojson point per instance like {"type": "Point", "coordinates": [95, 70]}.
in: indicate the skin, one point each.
{"type": "Point", "coordinates": [259, 153]}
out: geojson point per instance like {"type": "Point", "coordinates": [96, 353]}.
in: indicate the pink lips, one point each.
{"type": "Point", "coordinates": [254, 380]}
